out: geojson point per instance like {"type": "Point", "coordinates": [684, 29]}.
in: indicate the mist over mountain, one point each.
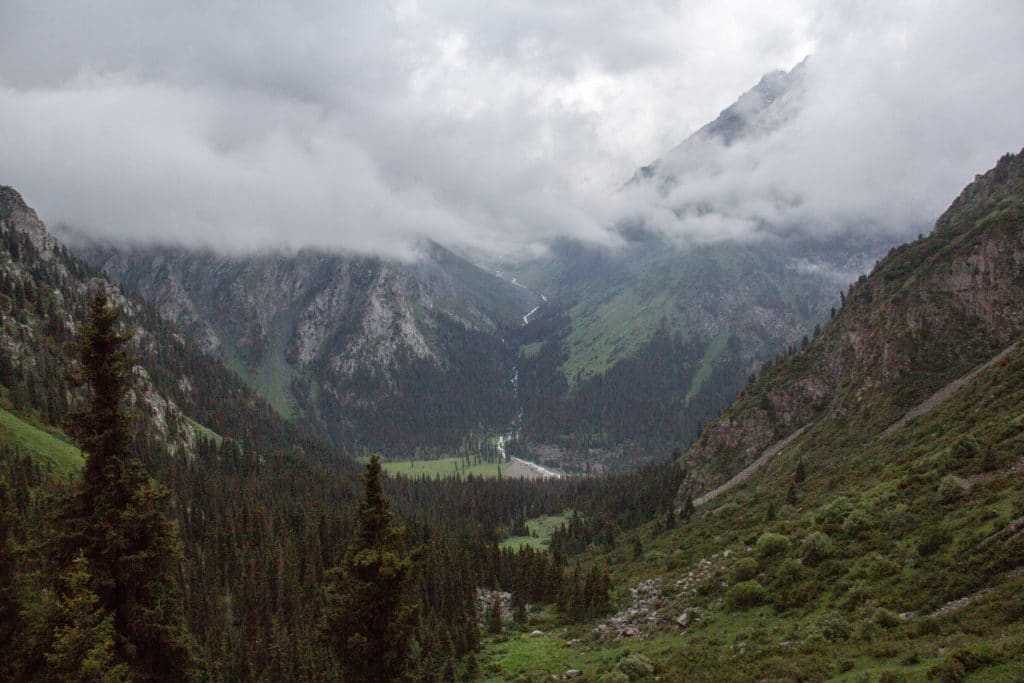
{"type": "Point", "coordinates": [594, 355]}
{"type": "Point", "coordinates": [493, 131]}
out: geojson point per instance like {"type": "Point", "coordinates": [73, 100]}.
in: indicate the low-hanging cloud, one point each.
{"type": "Point", "coordinates": [893, 114]}
{"type": "Point", "coordinates": [367, 126]}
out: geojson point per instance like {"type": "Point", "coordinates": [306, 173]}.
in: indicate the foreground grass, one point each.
{"type": "Point", "coordinates": [50, 449]}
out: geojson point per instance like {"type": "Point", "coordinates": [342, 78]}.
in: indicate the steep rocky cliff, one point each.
{"type": "Point", "coordinates": [364, 350]}
{"type": "Point", "coordinates": [44, 292]}
{"type": "Point", "coordinates": [929, 312]}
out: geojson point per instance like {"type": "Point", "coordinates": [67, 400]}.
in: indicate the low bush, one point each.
{"type": "Point", "coordinates": [857, 524]}
{"type": "Point", "coordinates": [831, 517]}
{"type": "Point", "coordinates": [834, 627]}
{"type": "Point", "coordinates": [771, 544]}
{"type": "Point", "coordinates": [816, 548]}
{"type": "Point", "coordinates": [636, 667]}
{"type": "Point", "coordinates": [744, 569]}
{"type": "Point", "coordinates": [788, 573]}
{"type": "Point", "coordinates": [885, 618]}
{"type": "Point", "coordinates": [951, 489]}
{"type": "Point", "coordinates": [932, 541]}
{"type": "Point", "coordinates": [746, 594]}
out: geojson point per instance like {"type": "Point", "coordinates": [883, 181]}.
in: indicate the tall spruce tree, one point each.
{"type": "Point", "coordinates": [369, 618]}
{"type": "Point", "coordinates": [114, 520]}
{"type": "Point", "coordinates": [10, 608]}
{"type": "Point", "coordinates": [83, 646]}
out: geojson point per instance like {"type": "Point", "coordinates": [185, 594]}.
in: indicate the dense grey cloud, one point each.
{"type": "Point", "coordinates": [895, 112]}
{"type": "Point", "coordinates": [368, 125]}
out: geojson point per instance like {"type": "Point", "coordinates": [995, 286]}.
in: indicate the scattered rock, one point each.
{"type": "Point", "coordinates": [640, 618]}
{"type": "Point", "coordinates": [688, 617]}
{"type": "Point", "coordinates": [485, 600]}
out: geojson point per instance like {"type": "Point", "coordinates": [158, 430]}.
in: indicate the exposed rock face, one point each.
{"type": "Point", "coordinates": [345, 342]}
{"type": "Point", "coordinates": [934, 309]}
{"type": "Point", "coordinates": [21, 217]}
{"type": "Point", "coordinates": [40, 271]}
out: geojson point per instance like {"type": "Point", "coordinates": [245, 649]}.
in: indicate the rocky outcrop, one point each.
{"type": "Point", "coordinates": [40, 271]}
{"type": "Point", "coordinates": [344, 343]}
{"type": "Point", "coordinates": [933, 309]}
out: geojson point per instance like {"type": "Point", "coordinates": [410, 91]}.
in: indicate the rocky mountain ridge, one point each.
{"type": "Point", "coordinates": [929, 312]}
{"type": "Point", "coordinates": [344, 343]}
{"type": "Point", "coordinates": [774, 101]}
{"type": "Point", "coordinates": [177, 394]}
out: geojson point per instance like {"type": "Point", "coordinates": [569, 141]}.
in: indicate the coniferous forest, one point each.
{"type": "Point", "coordinates": [246, 563]}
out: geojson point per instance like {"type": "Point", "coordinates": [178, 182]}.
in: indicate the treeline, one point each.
{"type": "Point", "coordinates": [488, 509]}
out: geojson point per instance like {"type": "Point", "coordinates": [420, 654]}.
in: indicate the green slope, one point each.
{"type": "Point", "coordinates": [856, 552]}
{"type": "Point", "coordinates": [50, 449]}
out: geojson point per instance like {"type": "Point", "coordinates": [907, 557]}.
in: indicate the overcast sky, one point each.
{"type": "Point", "coordinates": [365, 125]}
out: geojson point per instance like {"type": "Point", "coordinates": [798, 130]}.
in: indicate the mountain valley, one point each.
{"type": "Point", "coordinates": [437, 342]}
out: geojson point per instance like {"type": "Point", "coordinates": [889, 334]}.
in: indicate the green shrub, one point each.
{"type": "Point", "coordinates": [746, 594]}
{"type": "Point", "coordinates": [744, 569]}
{"type": "Point", "coordinates": [613, 677]}
{"type": "Point", "coordinates": [816, 548]}
{"type": "Point", "coordinates": [949, 671]}
{"type": "Point", "coordinates": [965, 448]}
{"type": "Point", "coordinates": [831, 517]}
{"type": "Point", "coordinates": [771, 544]}
{"type": "Point", "coordinates": [857, 524]}
{"type": "Point", "coordinates": [636, 666]}
{"type": "Point", "coordinates": [834, 627]}
{"type": "Point", "coordinates": [932, 541]}
{"type": "Point", "coordinates": [885, 618]}
{"type": "Point", "coordinates": [788, 573]}
{"type": "Point", "coordinates": [952, 489]}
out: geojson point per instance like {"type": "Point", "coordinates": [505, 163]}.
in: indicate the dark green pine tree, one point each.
{"type": "Point", "coordinates": [791, 495]}
{"type": "Point", "coordinates": [519, 614]}
{"type": "Point", "coordinates": [670, 518]}
{"type": "Point", "coordinates": [83, 646]}
{"type": "Point", "coordinates": [115, 519]}
{"type": "Point", "coordinates": [132, 550]}
{"type": "Point", "coordinates": [10, 609]}
{"type": "Point", "coordinates": [472, 671]}
{"type": "Point", "coordinates": [494, 619]}
{"type": "Point", "coordinates": [369, 618]}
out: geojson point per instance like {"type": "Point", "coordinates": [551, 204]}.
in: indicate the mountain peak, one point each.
{"type": "Point", "coordinates": [771, 103]}
{"type": "Point", "coordinates": [21, 217]}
